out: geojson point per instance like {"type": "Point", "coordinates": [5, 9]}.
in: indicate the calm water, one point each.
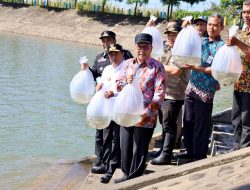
{"type": "Point", "coordinates": [39, 123]}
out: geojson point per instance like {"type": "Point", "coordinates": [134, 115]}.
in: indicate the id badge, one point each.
{"type": "Point", "coordinates": [210, 59]}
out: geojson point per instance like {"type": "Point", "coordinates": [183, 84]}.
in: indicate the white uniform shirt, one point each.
{"type": "Point", "coordinates": [110, 76]}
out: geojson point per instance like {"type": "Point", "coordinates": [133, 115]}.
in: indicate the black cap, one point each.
{"type": "Point", "coordinates": [143, 38]}
{"type": "Point", "coordinates": [115, 48]}
{"type": "Point", "coordinates": [200, 18]}
{"type": "Point", "coordinates": [107, 33]}
{"type": "Point", "coordinates": [173, 27]}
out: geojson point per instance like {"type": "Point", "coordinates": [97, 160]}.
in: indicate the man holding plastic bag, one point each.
{"type": "Point", "coordinates": [198, 103]}
{"type": "Point", "coordinates": [110, 75]}
{"type": "Point", "coordinates": [241, 96]}
{"type": "Point", "coordinates": [174, 98]}
{"type": "Point", "coordinates": [151, 77]}
{"type": "Point", "coordinates": [103, 138]}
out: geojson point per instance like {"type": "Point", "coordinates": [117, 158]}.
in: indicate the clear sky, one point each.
{"type": "Point", "coordinates": [157, 4]}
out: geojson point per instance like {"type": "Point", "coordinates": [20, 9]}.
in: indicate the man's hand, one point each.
{"type": "Point", "coordinates": [193, 67]}
{"type": "Point", "coordinates": [119, 86]}
{"type": "Point", "coordinates": [232, 41]}
{"type": "Point", "coordinates": [185, 23]}
{"type": "Point", "coordinates": [98, 86]}
{"type": "Point", "coordinates": [108, 94]}
{"type": "Point", "coordinates": [84, 66]}
{"type": "Point", "coordinates": [143, 116]}
{"type": "Point", "coordinates": [144, 119]}
{"type": "Point", "coordinates": [130, 79]}
{"type": "Point", "coordinates": [150, 23]}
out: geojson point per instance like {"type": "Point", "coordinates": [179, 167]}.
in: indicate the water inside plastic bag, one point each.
{"type": "Point", "coordinates": [81, 98]}
{"type": "Point", "coordinates": [127, 120]}
{"type": "Point", "coordinates": [181, 61]}
{"type": "Point", "coordinates": [82, 87]}
{"type": "Point", "coordinates": [98, 122]}
{"type": "Point", "coordinates": [226, 79]}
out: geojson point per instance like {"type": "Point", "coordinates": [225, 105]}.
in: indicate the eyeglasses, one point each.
{"type": "Point", "coordinates": [143, 47]}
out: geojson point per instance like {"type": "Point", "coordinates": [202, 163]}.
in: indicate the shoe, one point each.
{"type": "Point", "coordinates": [161, 160]}
{"type": "Point", "coordinates": [156, 154]}
{"type": "Point", "coordinates": [185, 156]}
{"type": "Point", "coordinates": [181, 161]}
{"type": "Point", "coordinates": [235, 147]}
{"type": "Point", "coordinates": [106, 178]}
{"type": "Point", "coordinates": [99, 169]}
{"type": "Point", "coordinates": [122, 179]}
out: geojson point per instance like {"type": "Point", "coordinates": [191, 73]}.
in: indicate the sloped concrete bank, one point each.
{"type": "Point", "coordinates": [227, 171]}
{"type": "Point", "coordinates": [71, 25]}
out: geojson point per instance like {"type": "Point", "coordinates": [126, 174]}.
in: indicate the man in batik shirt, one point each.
{"type": "Point", "coordinates": [241, 96]}
{"type": "Point", "coordinates": [198, 103]}
{"type": "Point", "coordinates": [150, 75]}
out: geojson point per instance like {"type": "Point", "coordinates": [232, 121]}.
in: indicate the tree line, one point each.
{"type": "Point", "coordinates": [229, 8]}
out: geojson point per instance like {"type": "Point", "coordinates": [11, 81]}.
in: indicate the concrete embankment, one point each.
{"type": "Point", "coordinates": [71, 25]}
{"type": "Point", "coordinates": [227, 171]}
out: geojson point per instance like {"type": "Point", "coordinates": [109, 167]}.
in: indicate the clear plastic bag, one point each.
{"type": "Point", "coordinates": [82, 87]}
{"type": "Point", "coordinates": [158, 44]}
{"type": "Point", "coordinates": [187, 47]}
{"type": "Point", "coordinates": [227, 66]}
{"type": "Point", "coordinates": [99, 110]}
{"type": "Point", "coordinates": [128, 106]}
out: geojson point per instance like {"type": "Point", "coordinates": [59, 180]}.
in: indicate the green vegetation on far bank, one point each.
{"type": "Point", "coordinates": [230, 9]}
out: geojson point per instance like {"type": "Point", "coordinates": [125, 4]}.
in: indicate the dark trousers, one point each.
{"type": "Point", "coordinates": [98, 146]}
{"type": "Point", "coordinates": [241, 119]}
{"type": "Point", "coordinates": [103, 145]}
{"type": "Point", "coordinates": [197, 126]}
{"type": "Point", "coordinates": [134, 142]}
{"type": "Point", "coordinates": [115, 157]}
{"type": "Point", "coordinates": [168, 115]}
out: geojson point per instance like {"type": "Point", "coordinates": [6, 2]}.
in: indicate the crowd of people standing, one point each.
{"type": "Point", "coordinates": [166, 87]}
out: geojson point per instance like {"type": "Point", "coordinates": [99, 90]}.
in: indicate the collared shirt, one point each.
{"type": "Point", "coordinates": [243, 84]}
{"type": "Point", "coordinates": [151, 77]}
{"type": "Point", "coordinates": [111, 74]}
{"type": "Point", "coordinates": [102, 60]}
{"type": "Point", "coordinates": [176, 85]}
{"type": "Point", "coordinates": [201, 85]}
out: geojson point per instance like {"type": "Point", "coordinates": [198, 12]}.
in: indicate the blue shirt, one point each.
{"type": "Point", "coordinates": [201, 85]}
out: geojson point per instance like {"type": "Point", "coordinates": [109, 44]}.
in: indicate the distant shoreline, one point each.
{"type": "Point", "coordinates": [70, 25]}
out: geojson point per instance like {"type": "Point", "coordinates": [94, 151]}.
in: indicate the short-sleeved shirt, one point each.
{"type": "Point", "coordinates": [243, 84]}
{"type": "Point", "coordinates": [151, 77]}
{"type": "Point", "coordinates": [201, 85]}
{"type": "Point", "coordinates": [176, 84]}
{"type": "Point", "coordinates": [102, 60]}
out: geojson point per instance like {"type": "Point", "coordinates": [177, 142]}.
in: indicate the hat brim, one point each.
{"type": "Point", "coordinates": [168, 31]}
{"type": "Point", "coordinates": [115, 51]}
{"type": "Point", "coordinates": [143, 41]}
{"type": "Point", "coordinates": [199, 19]}
{"type": "Point", "coordinates": [106, 37]}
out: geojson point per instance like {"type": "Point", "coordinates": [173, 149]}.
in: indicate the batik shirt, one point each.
{"type": "Point", "coordinates": [243, 84]}
{"type": "Point", "coordinates": [151, 77]}
{"type": "Point", "coordinates": [201, 85]}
